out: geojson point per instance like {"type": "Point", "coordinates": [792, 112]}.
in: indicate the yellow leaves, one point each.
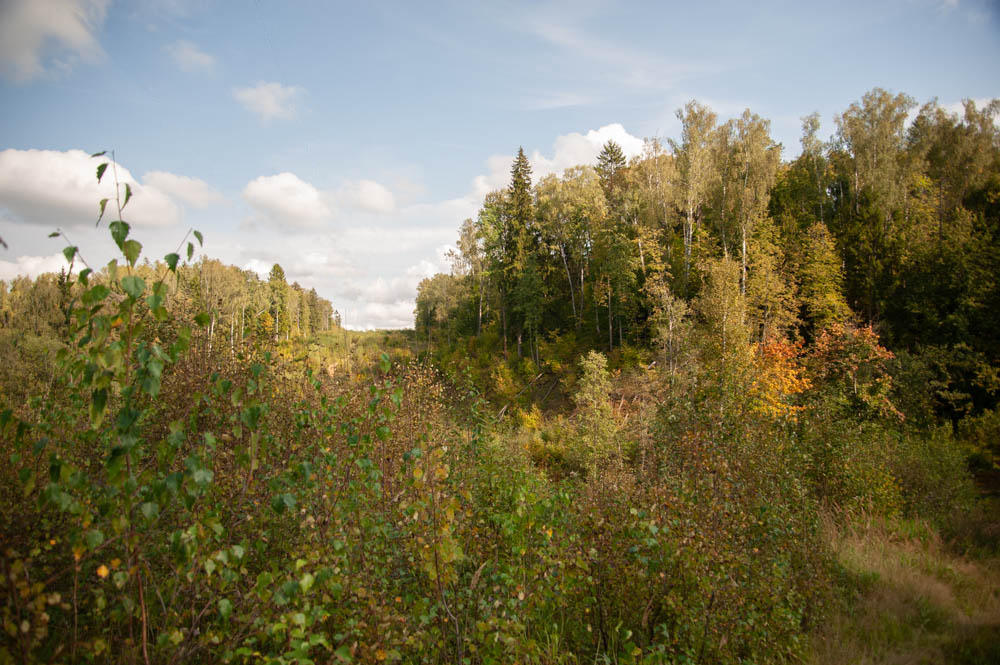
{"type": "Point", "coordinates": [102, 571]}
{"type": "Point", "coordinates": [779, 376]}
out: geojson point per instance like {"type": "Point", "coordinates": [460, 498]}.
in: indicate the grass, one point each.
{"type": "Point", "coordinates": [909, 598]}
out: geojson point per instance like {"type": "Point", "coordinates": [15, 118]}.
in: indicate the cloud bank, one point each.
{"type": "Point", "coordinates": [44, 37]}
{"type": "Point", "coordinates": [54, 188]}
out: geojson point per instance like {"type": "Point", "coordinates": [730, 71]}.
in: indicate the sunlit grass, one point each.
{"type": "Point", "coordinates": [908, 599]}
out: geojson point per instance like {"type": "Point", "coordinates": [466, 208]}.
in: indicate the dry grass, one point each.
{"type": "Point", "coordinates": [912, 601]}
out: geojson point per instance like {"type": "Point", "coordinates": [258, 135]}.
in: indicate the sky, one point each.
{"type": "Point", "coordinates": [347, 141]}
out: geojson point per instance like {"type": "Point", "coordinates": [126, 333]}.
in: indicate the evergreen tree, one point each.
{"type": "Point", "coordinates": [610, 168]}
{"type": "Point", "coordinates": [279, 301]}
{"type": "Point", "coordinates": [521, 235]}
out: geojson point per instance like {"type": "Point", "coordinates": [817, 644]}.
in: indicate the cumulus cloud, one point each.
{"type": "Point", "coordinates": [287, 200]}
{"type": "Point", "coordinates": [368, 195]}
{"type": "Point", "coordinates": [39, 37]}
{"type": "Point", "coordinates": [389, 303]}
{"type": "Point", "coordinates": [402, 287]}
{"type": "Point", "coordinates": [568, 150]}
{"type": "Point", "coordinates": [381, 316]}
{"type": "Point", "coordinates": [269, 100]}
{"type": "Point", "coordinates": [259, 266]}
{"type": "Point", "coordinates": [189, 57]}
{"type": "Point", "coordinates": [194, 192]}
{"type": "Point", "coordinates": [32, 266]}
{"type": "Point", "coordinates": [54, 188]}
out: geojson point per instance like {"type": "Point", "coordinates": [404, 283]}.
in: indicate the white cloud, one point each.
{"type": "Point", "coordinates": [402, 287]}
{"type": "Point", "coordinates": [54, 188]}
{"type": "Point", "coordinates": [194, 192]}
{"type": "Point", "coordinates": [287, 200]}
{"type": "Point", "coordinates": [389, 303]}
{"type": "Point", "coordinates": [381, 316]}
{"type": "Point", "coordinates": [568, 150]}
{"type": "Point", "coordinates": [39, 37]}
{"type": "Point", "coordinates": [31, 266]}
{"type": "Point", "coordinates": [189, 57]}
{"type": "Point", "coordinates": [368, 195]}
{"type": "Point", "coordinates": [269, 100]}
{"type": "Point", "coordinates": [259, 266]}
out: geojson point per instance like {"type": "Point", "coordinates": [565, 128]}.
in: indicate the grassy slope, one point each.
{"type": "Point", "coordinates": [906, 598]}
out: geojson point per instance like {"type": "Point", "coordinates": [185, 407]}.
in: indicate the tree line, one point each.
{"type": "Point", "coordinates": [891, 222]}
{"type": "Point", "coordinates": [240, 306]}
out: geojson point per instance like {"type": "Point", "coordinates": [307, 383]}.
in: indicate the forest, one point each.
{"type": "Point", "coordinates": [702, 405]}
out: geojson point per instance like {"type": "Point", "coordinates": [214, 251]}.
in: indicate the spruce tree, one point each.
{"type": "Point", "coordinates": [610, 168]}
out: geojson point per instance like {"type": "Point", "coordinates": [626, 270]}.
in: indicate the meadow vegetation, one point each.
{"type": "Point", "coordinates": [742, 430]}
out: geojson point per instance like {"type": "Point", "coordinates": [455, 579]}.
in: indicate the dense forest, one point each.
{"type": "Point", "coordinates": [697, 406]}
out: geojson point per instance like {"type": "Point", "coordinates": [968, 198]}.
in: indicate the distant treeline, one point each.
{"type": "Point", "coordinates": [240, 306]}
{"type": "Point", "coordinates": [888, 223]}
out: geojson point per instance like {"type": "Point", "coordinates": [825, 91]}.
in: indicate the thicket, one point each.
{"type": "Point", "coordinates": [181, 486]}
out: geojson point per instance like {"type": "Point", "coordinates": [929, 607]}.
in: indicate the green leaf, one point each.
{"type": "Point", "coordinates": [69, 253]}
{"type": "Point", "coordinates": [150, 510]}
{"type": "Point", "coordinates": [98, 405]}
{"type": "Point", "coordinates": [94, 295]}
{"type": "Point", "coordinates": [100, 154]}
{"type": "Point", "coordinates": [190, 251]}
{"type": "Point", "coordinates": [131, 250]}
{"type": "Point", "coordinates": [94, 538]}
{"type": "Point", "coordinates": [119, 231]}
{"type": "Point", "coordinates": [202, 477]}
{"type": "Point", "coordinates": [171, 260]}
{"type": "Point", "coordinates": [384, 362]}
{"type": "Point", "coordinates": [225, 608]}
{"type": "Point", "coordinates": [307, 581]}
{"type": "Point", "coordinates": [343, 653]}
{"type": "Point", "coordinates": [282, 502]}
{"type": "Point", "coordinates": [201, 240]}
{"type": "Point", "coordinates": [133, 286]}
{"type": "Point", "coordinates": [116, 461]}
{"type": "Point", "coordinates": [54, 234]}
{"type": "Point", "coordinates": [104, 204]}
{"type": "Point", "coordinates": [202, 319]}
{"type": "Point", "coordinates": [100, 171]}
{"type": "Point", "coordinates": [128, 194]}
{"type": "Point", "coordinates": [84, 274]}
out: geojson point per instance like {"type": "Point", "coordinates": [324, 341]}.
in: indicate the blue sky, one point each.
{"type": "Point", "coordinates": [347, 141]}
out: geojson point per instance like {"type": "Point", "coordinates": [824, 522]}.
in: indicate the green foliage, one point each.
{"type": "Point", "coordinates": [202, 466]}
{"type": "Point", "coordinates": [597, 425]}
